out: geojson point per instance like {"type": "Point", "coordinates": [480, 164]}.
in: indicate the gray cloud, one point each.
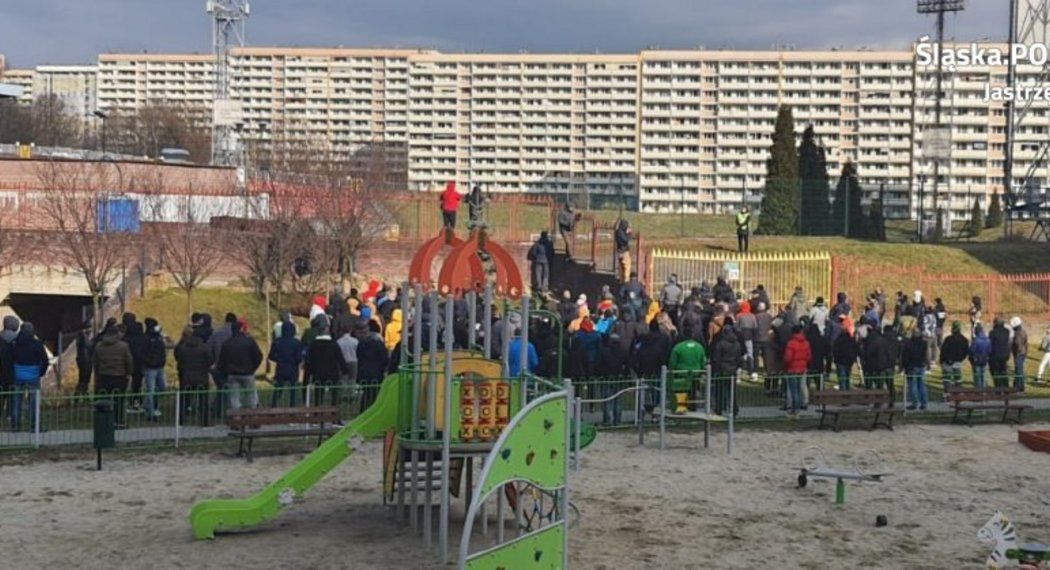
{"type": "Point", "coordinates": [75, 31]}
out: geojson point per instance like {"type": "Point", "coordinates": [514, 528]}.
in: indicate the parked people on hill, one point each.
{"type": "Point", "coordinates": [193, 361]}
{"type": "Point", "coordinates": [239, 358]}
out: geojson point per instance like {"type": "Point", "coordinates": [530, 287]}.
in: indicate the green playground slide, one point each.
{"type": "Point", "coordinates": [225, 514]}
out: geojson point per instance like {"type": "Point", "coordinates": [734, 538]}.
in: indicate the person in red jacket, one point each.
{"type": "Point", "coordinates": [797, 355]}
{"type": "Point", "coordinates": [449, 204]}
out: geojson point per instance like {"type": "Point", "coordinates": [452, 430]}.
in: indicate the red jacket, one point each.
{"type": "Point", "coordinates": [450, 198]}
{"type": "Point", "coordinates": [797, 355]}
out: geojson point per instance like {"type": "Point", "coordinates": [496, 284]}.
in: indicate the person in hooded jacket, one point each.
{"type": "Point", "coordinates": [954, 351]}
{"type": "Point", "coordinates": [154, 358]}
{"type": "Point", "coordinates": [239, 358]}
{"type": "Point", "coordinates": [135, 336]}
{"type": "Point", "coordinates": [671, 297]}
{"type": "Point", "coordinates": [722, 292]}
{"type": "Point", "coordinates": [449, 205]}
{"type": "Point", "coordinates": [372, 361]}
{"type": "Point", "coordinates": [83, 361]}
{"type": "Point", "coordinates": [844, 352]}
{"type": "Point", "coordinates": [215, 342]}
{"type": "Point", "coordinates": [566, 307]}
{"type": "Point", "coordinates": [611, 367]}
{"type": "Point", "coordinates": [113, 365]}
{"type": "Point", "coordinates": [914, 361]}
{"type": "Point", "coordinates": [820, 353]}
{"type": "Point", "coordinates": [203, 328]}
{"type": "Point", "coordinates": [1019, 349]}
{"type": "Point", "coordinates": [877, 360]}
{"type": "Point", "coordinates": [726, 354]}
{"type": "Point", "coordinates": [325, 365]}
{"type": "Point", "coordinates": [540, 263]}
{"type": "Point", "coordinates": [622, 241]}
{"type": "Point", "coordinates": [30, 362]}
{"type": "Point", "coordinates": [7, 372]}
{"type": "Point", "coordinates": [841, 307]}
{"type": "Point", "coordinates": [287, 354]}
{"type": "Point", "coordinates": [193, 361]}
{"type": "Point", "coordinates": [628, 329]}
{"type": "Point", "coordinates": [980, 354]}
{"type": "Point", "coordinates": [763, 337]}
{"type": "Point", "coordinates": [392, 334]}
{"type": "Point", "coordinates": [747, 330]}
{"type": "Point", "coordinates": [797, 356]}
{"type": "Point", "coordinates": [1000, 337]}
{"type": "Point", "coordinates": [818, 314]}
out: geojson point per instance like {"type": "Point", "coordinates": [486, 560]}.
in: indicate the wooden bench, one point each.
{"type": "Point", "coordinates": [247, 424]}
{"type": "Point", "coordinates": [970, 400]}
{"type": "Point", "coordinates": [837, 403]}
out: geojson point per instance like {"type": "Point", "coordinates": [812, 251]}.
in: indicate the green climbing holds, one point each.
{"type": "Point", "coordinates": [537, 555]}
{"type": "Point", "coordinates": [554, 454]}
{"type": "Point", "coordinates": [547, 425]}
{"type": "Point", "coordinates": [505, 454]}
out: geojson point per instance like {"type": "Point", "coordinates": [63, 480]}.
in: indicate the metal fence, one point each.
{"type": "Point", "coordinates": [174, 417]}
{"type": "Point", "coordinates": [512, 219]}
{"type": "Point", "coordinates": [779, 273]}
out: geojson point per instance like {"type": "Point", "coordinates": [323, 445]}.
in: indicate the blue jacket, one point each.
{"type": "Point", "coordinates": [590, 343]}
{"type": "Point", "coordinates": [287, 353]}
{"type": "Point", "coordinates": [514, 358]}
{"type": "Point", "coordinates": [29, 358]}
{"type": "Point", "coordinates": [980, 349]}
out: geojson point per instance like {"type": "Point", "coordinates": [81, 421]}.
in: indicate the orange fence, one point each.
{"type": "Point", "coordinates": [1026, 294]}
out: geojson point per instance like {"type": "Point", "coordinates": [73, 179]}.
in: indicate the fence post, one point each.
{"type": "Point", "coordinates": [663, 404]}
{"type": "Point", "coordinates": [638, 409]}
{"type": "Point", "coordinates": [36, 418]}
{"type": "Point", "coordinates": [732, 415]}
{"type": "Point", "coordinates": [578, 403]}
{"type": "Point", "coordinates": [178, 417]}
{"type": "Point", "coordinates": [309, 395]}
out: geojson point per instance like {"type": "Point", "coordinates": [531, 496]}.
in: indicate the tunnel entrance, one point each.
{"type": "Point", "coordinates": [52, 315]}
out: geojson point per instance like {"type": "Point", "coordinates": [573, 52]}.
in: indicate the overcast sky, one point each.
{"type": "Point", "coordinates": [34, 32]}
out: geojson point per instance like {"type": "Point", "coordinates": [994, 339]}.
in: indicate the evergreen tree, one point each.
{"type": "Point", "coordinates": [850, 192]}
{"type": "Point", "coordinates": [995, 213]}
{"type": "Point", "coordinates": [816, 189]}
{"type": "Point", "coordinates": [938, 227]}
{"type": "Point", "coordinates": [877, 225]}
{"type": "Point", "coordinates": [779, 215]}
{"type": "Point", "coordinates": [976, 219]}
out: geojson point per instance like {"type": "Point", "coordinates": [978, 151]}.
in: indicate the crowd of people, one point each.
{"type": "Point", "coordinates": [353, 341]}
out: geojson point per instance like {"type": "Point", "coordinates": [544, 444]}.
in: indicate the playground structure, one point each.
{"type": "Point", "coordinates": [468, 266]}
{"type": "Point", "coordinates": [444, 413]}
{"type": "Point", "coordinates": [867, 466]}
{"type": "Point", "coordinates": [1001, 534]}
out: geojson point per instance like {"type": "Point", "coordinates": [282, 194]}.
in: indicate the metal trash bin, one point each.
{"type": "Point", "coordinates": [105, 428]}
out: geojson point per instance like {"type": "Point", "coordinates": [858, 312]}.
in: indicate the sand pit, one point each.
{"type": "Point", "coordinates": [641, 508]}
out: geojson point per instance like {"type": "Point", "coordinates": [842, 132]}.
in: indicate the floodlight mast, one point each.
{"type": "Point", "coordinates": [228, 18]}
{"type": "Point", "coordinates": [939, 8]}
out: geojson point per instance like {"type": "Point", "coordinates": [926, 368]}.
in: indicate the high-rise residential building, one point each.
{"type": "Point", "coordinates": [74, 85]}
{"type": "Point", "coordinates": [22, 78]}
{"type": "Point", "coordinates": [661, 130]}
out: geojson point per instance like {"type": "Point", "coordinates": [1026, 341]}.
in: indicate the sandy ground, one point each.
{"type": "Point", "coordinates": [641, 508]}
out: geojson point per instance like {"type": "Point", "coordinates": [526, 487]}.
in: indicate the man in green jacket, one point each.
{"type": "Point", "coordinates": [688, 361]}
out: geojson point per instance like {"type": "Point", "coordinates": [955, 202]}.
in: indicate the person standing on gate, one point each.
{"type": "Point", "coordinates": [567, 219]}
{"type": "Point", "coordinates": [743, 229]}
{"type": "Point", "coordinates": [541, 267]}
{"type": "Point", "coordinates": [623, 248]}
{"type": "Point", "coordinates": [449, 205]}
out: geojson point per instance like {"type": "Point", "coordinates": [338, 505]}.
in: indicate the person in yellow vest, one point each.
{"type": "Point", "coordinates": [743, 229]}
{"type": "Point", "coordinates": [392, 334]}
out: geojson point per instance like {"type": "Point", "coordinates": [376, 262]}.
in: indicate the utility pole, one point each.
{"type": "Point", "coordinates": [938, 8]}
{"type": "Point", "coordinates": [1008, 148]}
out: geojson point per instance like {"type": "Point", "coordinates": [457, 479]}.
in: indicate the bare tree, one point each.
{"type": "Point", "coordinates": [47, 121]}
{"type": "Point", "coordinates": [74, 194]}
{"type": "Point", "coordinates": [155, 126]}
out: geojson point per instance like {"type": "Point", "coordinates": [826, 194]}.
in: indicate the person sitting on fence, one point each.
{"type": "Point", "coordinates": [980, 353]}
{"type": "Point", "coordinates": [954, 351]}
{"type": "Point", "coordinates": [30, 362]}
{"type": "Point", "coordinates": [193, 361]}
{"type": "Point", "coordinates": [239, 358]}
{"type": "Point", "coordinates": [1019, 349]}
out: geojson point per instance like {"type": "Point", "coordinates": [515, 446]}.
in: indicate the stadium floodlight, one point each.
{"type": "Point", "coordinates": [940, 6]}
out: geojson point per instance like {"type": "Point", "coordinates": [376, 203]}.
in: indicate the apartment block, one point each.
{"type": "Point", "coordinates": [22, 78]}
{"type": "Point", "coordinates": [75, 85]}
{"type": "Point", "coordinates": [663, 131]}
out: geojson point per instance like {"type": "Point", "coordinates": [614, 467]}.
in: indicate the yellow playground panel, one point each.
{"type": "Point", "coordinates": [780, 273]}
{"type": "Point", "coordinates": [465, 365]}
{"type": "Point", "coordinates": [484, 408]}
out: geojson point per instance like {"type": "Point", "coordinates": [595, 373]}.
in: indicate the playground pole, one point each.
{"type": "Point", "coordinates": [417, 355]}
{"type": "Point", "coordinates": [472, 318]}
{"type": "Point", "coordinates": [638, 408]}
{"type": "Point", "coordinates": [446, 433]}
{"type": "Point", "coordinates": [431, 369]}
{"type": "Point", "coordinates": [505, 341]}
{"type": "Point", "coordinates": [732, 410]}
{"type": "Point", "coordinates": [707, 405]}
{"type": "Point", "coordinates": [524, 355]}
{"type": "Point", "coordinates": [403, 356]}
{"type": "Point", "coordinates": [486, 325]}
{"type": "Point", "coordinates": [578, 404]}
{"type": "Point", "coordinates": [663, 404]}
{"type": "Point", "coordinates": [569, 397]}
